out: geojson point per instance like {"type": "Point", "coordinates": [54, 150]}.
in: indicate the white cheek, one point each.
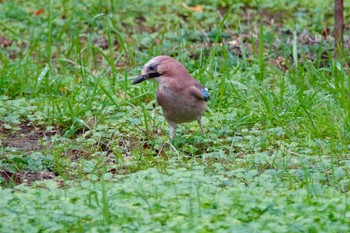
{"type": "Point", "coordinates": [159, 80]}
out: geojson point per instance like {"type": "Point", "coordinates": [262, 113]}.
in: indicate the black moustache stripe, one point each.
{"type": "Point", "coordinates": [154, 75]}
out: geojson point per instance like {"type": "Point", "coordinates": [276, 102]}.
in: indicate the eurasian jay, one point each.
{"type": "Point", "coordinates": [182, 98]}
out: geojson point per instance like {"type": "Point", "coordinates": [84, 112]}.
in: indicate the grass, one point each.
{"type": "Point", "coordinates": [83, 150]}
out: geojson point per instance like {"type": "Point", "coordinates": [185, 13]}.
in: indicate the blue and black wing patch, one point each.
{"type": "Point", "coordinates": [205, 93]}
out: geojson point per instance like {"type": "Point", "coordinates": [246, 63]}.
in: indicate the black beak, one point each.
{"type": "Point", "coordinates": [140, 78]}
{"type": "Point", "coordinates": [144, 77]}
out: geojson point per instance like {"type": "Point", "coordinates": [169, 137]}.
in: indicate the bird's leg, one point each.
{"type": "Point", "coordinates": [172, 129]}
{"type": "Point", "coordinates": [200, 125]}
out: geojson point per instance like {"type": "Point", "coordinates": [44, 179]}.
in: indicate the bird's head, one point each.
{"type": "Point", "coordinates": [159, 68]}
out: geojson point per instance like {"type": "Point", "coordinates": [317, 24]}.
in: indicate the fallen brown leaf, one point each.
{"type": "Point", "coordinates": [5, 42]}
{"type": "Point", "coordinates": [38, 12]}
{"type": "Point", "coordinates": [196, 8]}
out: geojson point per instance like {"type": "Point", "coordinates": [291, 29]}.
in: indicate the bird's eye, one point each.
{"type": "Point", "coordinates": [152, 67]}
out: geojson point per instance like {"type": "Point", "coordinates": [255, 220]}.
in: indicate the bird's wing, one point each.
{"type": "Point", "coordinates": [200, 92]}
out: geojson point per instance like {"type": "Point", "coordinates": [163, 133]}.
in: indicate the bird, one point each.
{"type": "Point", "coordinates": [181, 97]}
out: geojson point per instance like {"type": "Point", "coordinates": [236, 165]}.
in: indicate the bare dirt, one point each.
{"type": "Point", "coordinates": [27, 139]}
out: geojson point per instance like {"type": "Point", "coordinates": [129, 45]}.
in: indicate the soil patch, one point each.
{"type": "Point", "coordinates": [27, 139]}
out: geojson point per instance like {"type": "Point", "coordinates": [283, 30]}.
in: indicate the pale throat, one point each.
{"type": "Point", "coordinates": [163, 86]}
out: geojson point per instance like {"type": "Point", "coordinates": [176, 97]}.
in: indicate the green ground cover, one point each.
{"type": "Point", "coordinates": [84, 150]}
